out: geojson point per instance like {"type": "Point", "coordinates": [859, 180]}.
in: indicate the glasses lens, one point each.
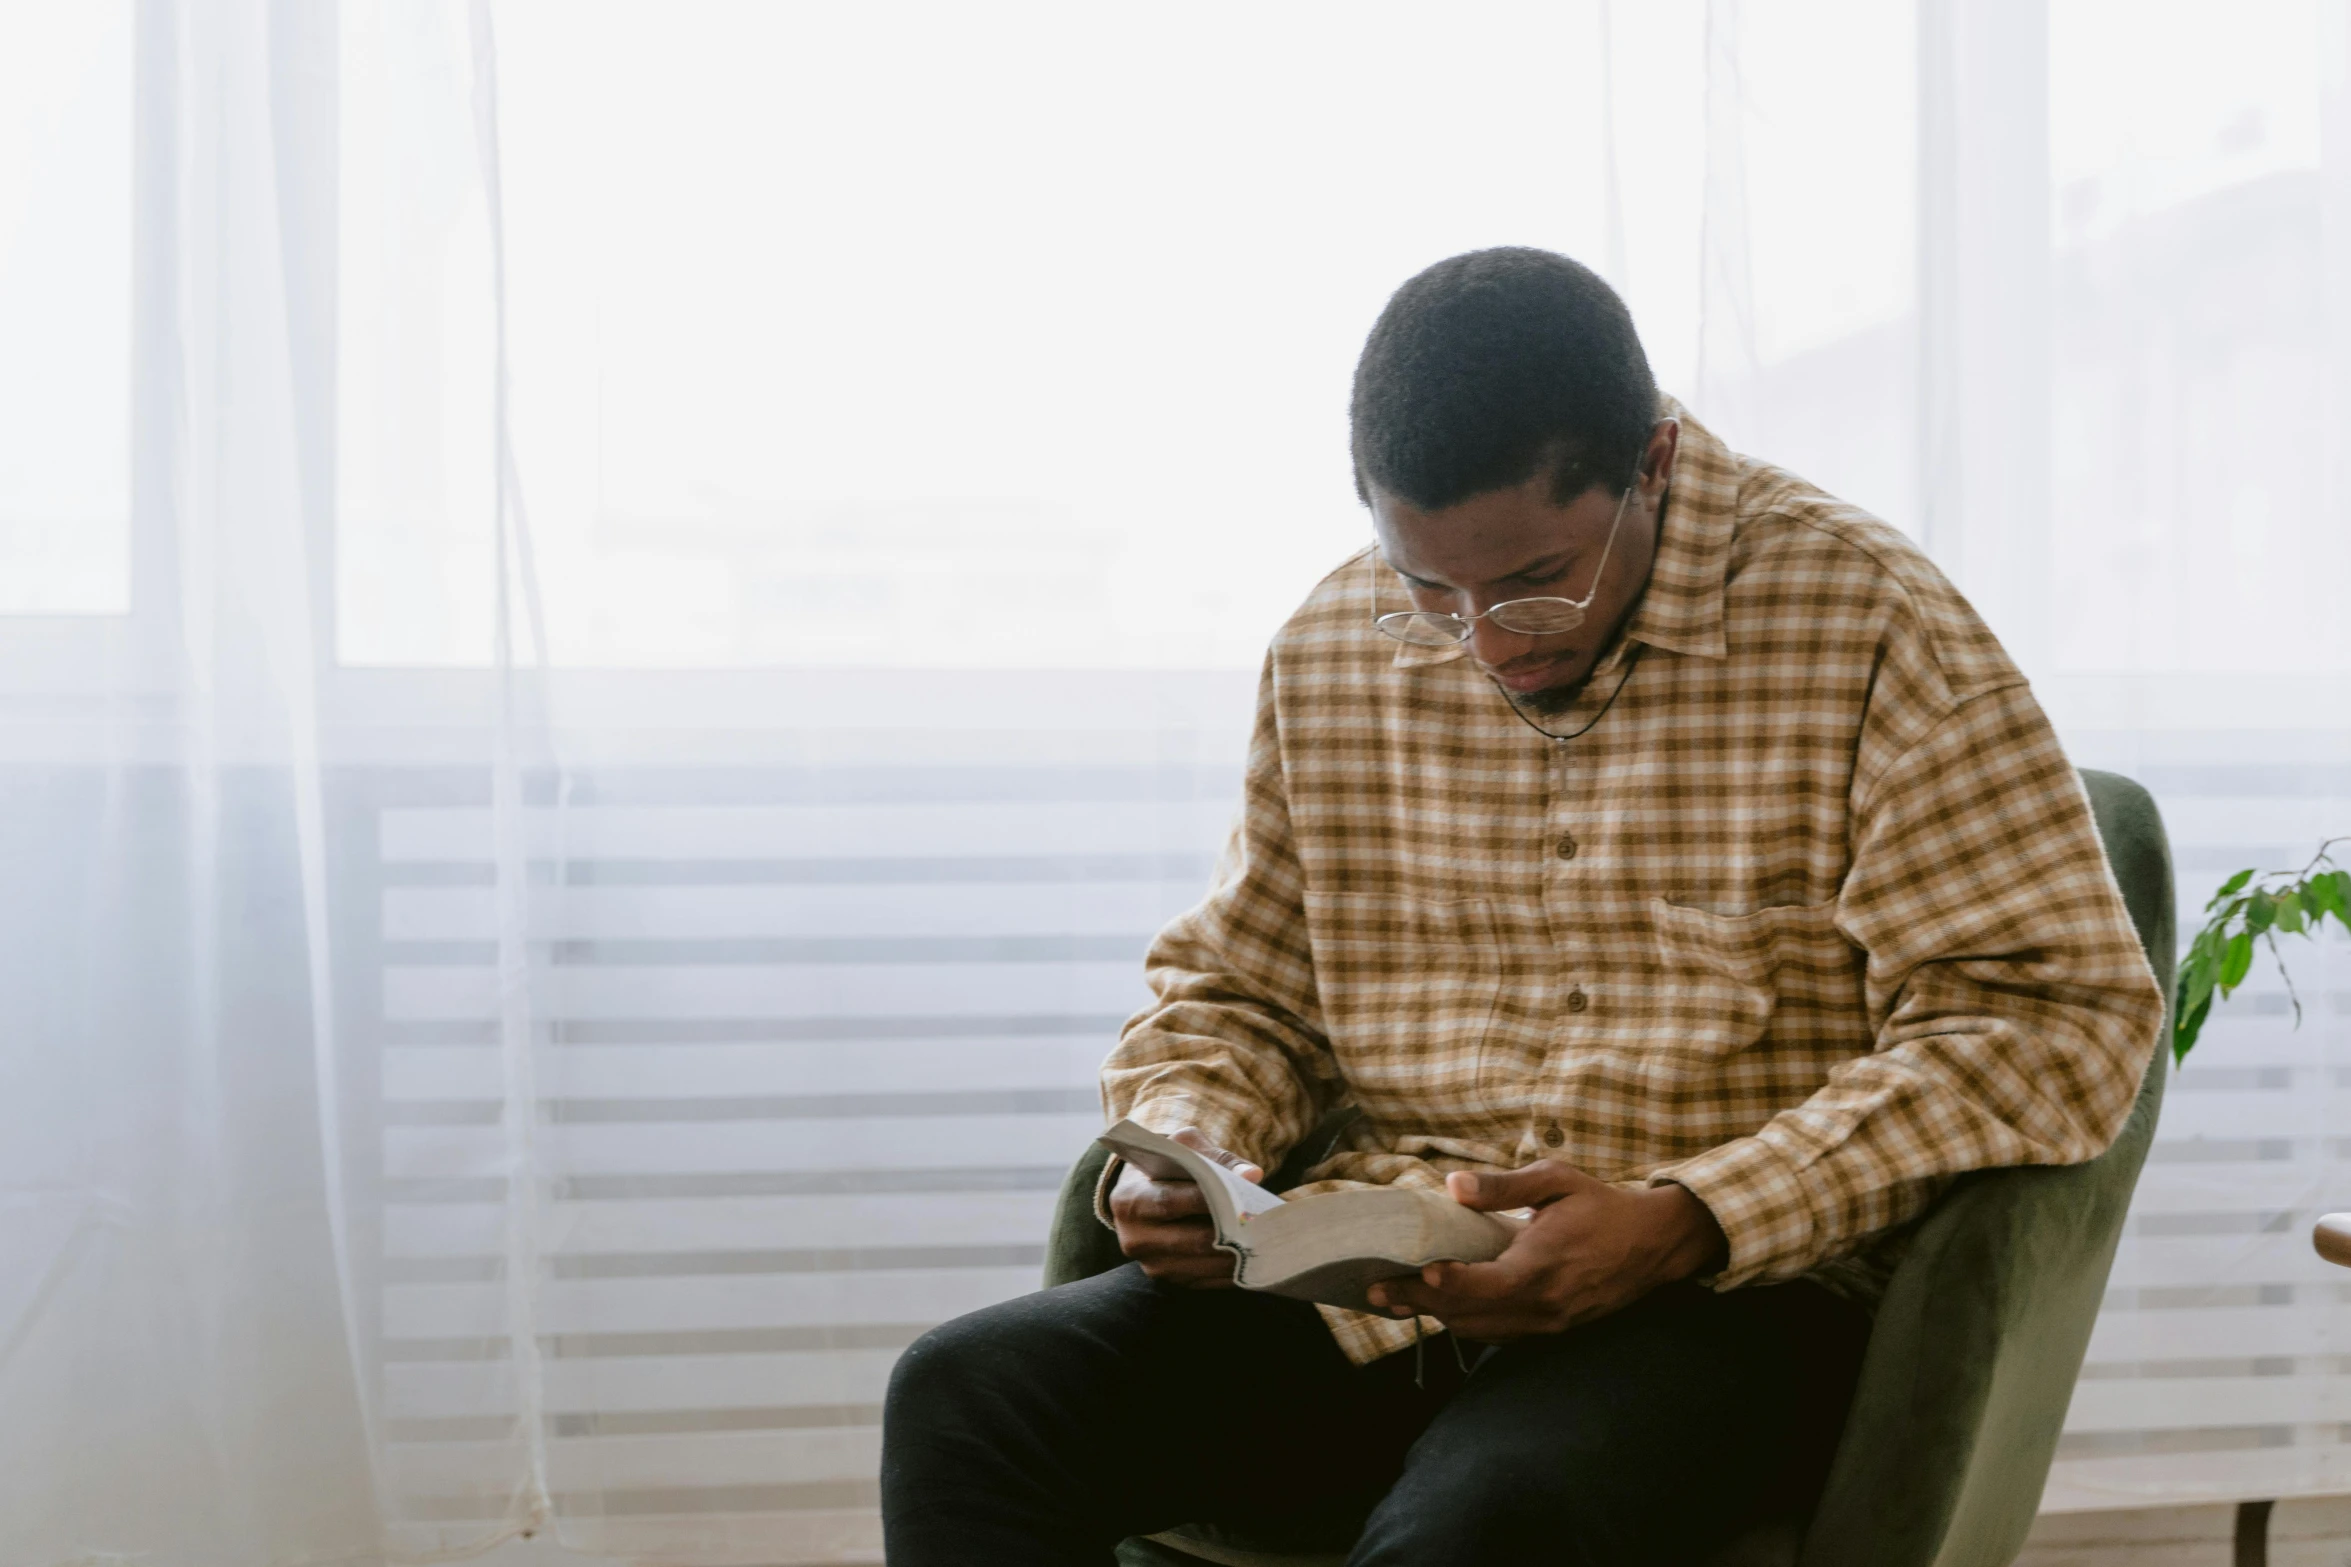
{"type": "Point", "coordinates": [1538, 617]}
{"type": "Point", "coordinates": [1422, 629]}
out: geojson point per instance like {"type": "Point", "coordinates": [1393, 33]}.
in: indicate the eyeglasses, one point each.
{"type": "Point", "coordinates": [1542, 617]}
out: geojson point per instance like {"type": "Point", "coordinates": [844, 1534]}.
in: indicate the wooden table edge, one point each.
{"type": "Point", "coordinates": [2332, 1236]}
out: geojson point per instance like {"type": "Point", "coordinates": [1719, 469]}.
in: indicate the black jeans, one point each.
{"type": "Point", "coordinates": [1042, 1431]}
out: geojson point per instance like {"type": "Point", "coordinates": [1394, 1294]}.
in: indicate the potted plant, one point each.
{"type": "Point", "coordinates": [2254, 906]}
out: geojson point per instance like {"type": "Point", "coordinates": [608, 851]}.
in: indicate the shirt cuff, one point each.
{"type": "Point", "coordinates": [1759, 1199]}
{"type": "Point", "coordinates": [1108, 1179]}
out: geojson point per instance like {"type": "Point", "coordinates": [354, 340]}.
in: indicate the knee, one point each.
{"type": "Point", "coordinates": [998, 1358]}
{"type": "Point", "coordinates": [954, 1365]}
{"type": "Point", "coordinates": [1486, 1505]}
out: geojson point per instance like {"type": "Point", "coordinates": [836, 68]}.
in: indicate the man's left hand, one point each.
{"type": "Point", "coordinates": [1591, 1249]}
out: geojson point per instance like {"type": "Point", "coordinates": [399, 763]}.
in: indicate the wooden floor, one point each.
{"type": "Point", "coordinates": [2315, 1533]}
{"type": "Point", "coordinates": [2302, 1534]}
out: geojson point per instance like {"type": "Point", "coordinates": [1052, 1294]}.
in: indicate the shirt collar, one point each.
{"type": "Point", "coordinates": [1681, 609]}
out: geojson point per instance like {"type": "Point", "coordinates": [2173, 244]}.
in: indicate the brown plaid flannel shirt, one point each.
{"type": "Point", "coordinates": [1810, 918]}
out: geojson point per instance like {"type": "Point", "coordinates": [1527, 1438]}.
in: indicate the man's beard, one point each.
{"type": "Point", "coordinates": [1552, 701]}
{"type": "Point", "coordinates": [1549, 702]}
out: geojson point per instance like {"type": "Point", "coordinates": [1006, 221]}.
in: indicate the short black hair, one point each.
{"type": "Point", "coordinates": [1493, 366]}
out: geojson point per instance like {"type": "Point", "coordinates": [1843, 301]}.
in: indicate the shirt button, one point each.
{"type": "Point", "coordinates": [1553, 1136]}
{"type": "Point", "coordinates": [1577, 1000]}
{"type": "Point", "coordinates": [1565, 847]}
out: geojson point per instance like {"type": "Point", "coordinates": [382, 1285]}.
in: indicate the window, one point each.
{"type": "Point", "coordinates": [65, 308]}
{"type": "Point", "coordinates": [927, 335]}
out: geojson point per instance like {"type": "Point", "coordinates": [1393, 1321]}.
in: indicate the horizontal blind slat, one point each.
{"type": "Point", "coordinates": [739, 832]}
{"type": "Point", "coordinates": [858, 1143]}
{"type": "Point", "coordinates": [456, 1311]}
{"type": "Point", "coordinates": [812, 990]}
{"type": "Point", "coordinates": [683, 913]}
{"type": "Point", "coordinates": [979, 1063]}
{"type": "Point", "coordinates": [2172, 1403]}
{"type": "Point", "coordinates": [828, 1378]}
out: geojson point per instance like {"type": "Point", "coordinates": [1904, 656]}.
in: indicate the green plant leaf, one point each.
{"type": "Point", "coordinates": [2236, 962]}
{"type": "Point", "coordinates": [2335, 888]}
{"type": "Point", "coordinates": [2230, 888]}
{"type": "Point", "coordinates": [2192, 997]}
{"type": "Point", "coordinates": [2190, 1024]}
{"type": "Point", "coordinates": [2242, 912]}
{"type": "Point", "coordinates": [2318, 896]}
{"type": "Point", "coordinates": [2289, 910]}
{"type": "Point", "coordinates": [2214, 947]}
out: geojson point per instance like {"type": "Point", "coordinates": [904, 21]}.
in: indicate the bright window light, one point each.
{"type": "Point", "coordinates": [933, 335]}
{"type": "Point", "coordinates": [65, 307]}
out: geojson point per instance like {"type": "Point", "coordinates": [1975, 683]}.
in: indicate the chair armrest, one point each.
{"type": "Point", "coordinates": [1079, 1246]}
{"type": "Point", "coordinates": [1972, 1363]}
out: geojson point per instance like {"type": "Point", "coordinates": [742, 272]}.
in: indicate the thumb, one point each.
{"type": "Point", "coordinates": [1544, 1181]}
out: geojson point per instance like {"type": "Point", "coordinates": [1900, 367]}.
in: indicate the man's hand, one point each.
{"type": "Point", "coordinates": [1591, 1249]}
{"type": "Point", "coordinates": [1164, 1224]}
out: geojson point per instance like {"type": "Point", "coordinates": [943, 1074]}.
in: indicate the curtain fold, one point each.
{"type": "Point", "coordinates": [182, 1357]}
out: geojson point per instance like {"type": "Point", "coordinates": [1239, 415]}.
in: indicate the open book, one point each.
{"type": "Point", "coordinates": [1329, 1248]}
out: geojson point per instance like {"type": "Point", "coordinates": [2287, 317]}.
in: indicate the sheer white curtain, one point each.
{"type": "Point", "coordinates": [184, 1352]}
{"type": "Point", "coordinates": [692, 580]}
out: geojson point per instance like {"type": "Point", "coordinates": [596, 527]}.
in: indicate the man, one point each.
{"type": "Point", "coordinates": [1639, 835]}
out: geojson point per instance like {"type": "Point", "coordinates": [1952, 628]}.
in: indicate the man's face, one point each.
{"type": "Point", "coordinates": [1519, 543]}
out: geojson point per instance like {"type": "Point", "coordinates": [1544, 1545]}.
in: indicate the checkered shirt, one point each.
{"type": "Point", "coordinates": [1811, 918]}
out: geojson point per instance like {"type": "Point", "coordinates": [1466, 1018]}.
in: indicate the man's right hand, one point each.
{"type": "Point", "coordinates": [1164, 1224]}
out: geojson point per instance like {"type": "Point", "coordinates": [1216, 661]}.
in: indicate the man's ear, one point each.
{"type": "Point", "coordinates": [1657, 460]}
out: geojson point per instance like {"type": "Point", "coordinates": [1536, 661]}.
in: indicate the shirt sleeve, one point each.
{"type": "Point", "coordinates": [2013, 1010]}
{"type": "Point", "coordinates": [1232, 1043]}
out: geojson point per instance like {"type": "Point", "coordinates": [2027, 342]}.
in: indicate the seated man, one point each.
{"type": "Point", "coordinates": [1637, 834]}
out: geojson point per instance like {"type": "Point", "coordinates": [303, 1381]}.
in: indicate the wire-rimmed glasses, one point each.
{"type": "Point", "coordinates": [1535, 617]}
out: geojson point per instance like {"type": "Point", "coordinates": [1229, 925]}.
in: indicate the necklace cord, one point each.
{"type": "Point", "coordinates": [1632, 658]}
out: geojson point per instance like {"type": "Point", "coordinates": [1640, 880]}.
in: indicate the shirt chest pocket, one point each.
{"type": "Point", "coordinates": [1408, 990]}
{"type": "Point", "coordinates": [1726, 978]}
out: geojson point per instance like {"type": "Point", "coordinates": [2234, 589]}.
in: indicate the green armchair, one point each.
{"type": "Point", "coordinates": [1972, 1362]}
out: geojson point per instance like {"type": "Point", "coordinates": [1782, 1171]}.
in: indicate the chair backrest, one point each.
{"type": "Point", "coordinates": [1982, 1331]}
{"type": "Point", "coordinates": [1972, 1362]}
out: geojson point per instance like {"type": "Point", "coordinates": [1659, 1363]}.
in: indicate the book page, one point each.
{"type": "Point", "coordinates": [1165, 1159]}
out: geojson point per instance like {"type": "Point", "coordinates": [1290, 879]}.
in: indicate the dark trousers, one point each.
{"type": "Point", "coordinates": [1042, 1431]}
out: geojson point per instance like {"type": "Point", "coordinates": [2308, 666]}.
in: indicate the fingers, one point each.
{"type": "Point", "coordinates": [1143, 1197]}
{"type": "Point", "coordinates": [1157, 1202]}
{"type": "Point", "coordinates": [1446, 1289]}
{"type": "Point", "coordinates": [1149, 1240]}
{"type": "Point", "coordinates": [1544, 1181]}
{"type": "Point", "coordinates": [1178, 1253]}
{"type": "Point", "coordinates": [1488, 1324]}
{"type": "Point", "coordinates": [1587, 1252]}
{"type": "Point", "coordinates": [1487, 1319]}
{"type": "Point", "coordinates": [1163, 1224]}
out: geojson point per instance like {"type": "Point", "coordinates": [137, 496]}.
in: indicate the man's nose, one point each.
{"type": "Point", "coordinates": [1492, 646]}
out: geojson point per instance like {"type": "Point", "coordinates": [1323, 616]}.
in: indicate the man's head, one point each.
{"type": "Point", "coordinates": [1502, 406]}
